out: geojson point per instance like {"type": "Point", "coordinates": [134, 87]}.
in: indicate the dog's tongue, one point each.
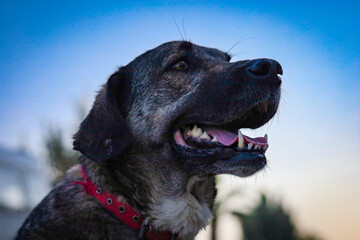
{"type": "Point", "coordinates": [227, 138]}
{"type": "Point", "coordinates": [224, 137]}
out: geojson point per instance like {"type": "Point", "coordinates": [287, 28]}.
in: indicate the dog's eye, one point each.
{"type": "Point", "coordinates": [180, 65]}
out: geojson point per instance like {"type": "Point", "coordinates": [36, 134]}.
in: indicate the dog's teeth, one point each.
{"type": "Point", "coordinates": [205, 135]}
{"type": "Point", "coordinates": [265, 147]}
{"type": "Point", "coordinates": [199, 132]}
{"type": "Point", "coordinates": [266, 137]}
{"type": "Point", "coordinates": [195, 132]}
{"type": "Point", "coordinates": [187, 132]}
{"type": "Point", "coordinates": [241, 142]}
{"type": "Point", "coordinates": [250, 145]}
{"type": "Point", "coordinates": [214, 139]}
{"type": "Point", "coordinates": [257, 147]}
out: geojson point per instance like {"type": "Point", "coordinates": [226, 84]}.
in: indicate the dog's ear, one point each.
{"type": "Point", "coordinates": [104, 133]}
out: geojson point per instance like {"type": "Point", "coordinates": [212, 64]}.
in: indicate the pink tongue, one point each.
{"type": "Point", "coordinates": [258, 141]}
{"type": "Point", "coordinates": [224, 137]}
{"type": "Point", "coordinates": [227, 138]}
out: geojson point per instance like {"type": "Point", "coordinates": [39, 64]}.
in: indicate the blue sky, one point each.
{"type": "Point", "coordinates": [54, 54]}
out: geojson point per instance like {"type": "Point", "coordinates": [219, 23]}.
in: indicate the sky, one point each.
{"type": "Point", "coordinates": [54, 55]}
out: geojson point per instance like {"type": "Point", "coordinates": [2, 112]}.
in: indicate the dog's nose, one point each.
{"type": "Point", "coordinates": [264, 69]}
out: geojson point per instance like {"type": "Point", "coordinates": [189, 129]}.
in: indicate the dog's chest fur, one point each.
{"type": "Point", "coordinates": [184, 215]}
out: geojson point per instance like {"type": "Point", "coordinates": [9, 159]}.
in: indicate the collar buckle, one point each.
{"type": "Point", "coordinates": [145, 227]}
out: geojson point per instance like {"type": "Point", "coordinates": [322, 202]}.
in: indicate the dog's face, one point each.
{"type": "Point", "coordinates": [153, 104]}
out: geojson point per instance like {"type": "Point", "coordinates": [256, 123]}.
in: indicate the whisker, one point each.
{"type": "Point", "coordinates": [177, 26]}
{"type": "Point", "coordinates": [183, 26]}
{"type": "Point", "coordinates": [240, 40]}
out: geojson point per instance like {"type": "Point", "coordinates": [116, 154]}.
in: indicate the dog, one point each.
{"type": "Point", "coordinates": [159, 131]}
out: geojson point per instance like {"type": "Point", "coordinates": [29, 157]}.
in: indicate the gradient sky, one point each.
{"type": "Point", "coordinates": [53, 55]}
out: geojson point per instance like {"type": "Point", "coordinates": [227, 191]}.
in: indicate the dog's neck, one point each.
{"type": "Point", "coordinates": [186, 213]}
{"type": "Point", "coordinates": [174, 202]}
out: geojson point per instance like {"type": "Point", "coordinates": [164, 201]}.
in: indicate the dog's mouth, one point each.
{"type": "Point", "coordinates": [212, 137]}
{"type": "Point", "coordinates": [225, 145]}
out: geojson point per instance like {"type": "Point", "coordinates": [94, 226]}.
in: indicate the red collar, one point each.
{"type": "Point", "coordinates": [126, 213]}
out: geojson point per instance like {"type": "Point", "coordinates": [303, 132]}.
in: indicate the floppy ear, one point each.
{"type": "Point", "coordinates": [104, 132]}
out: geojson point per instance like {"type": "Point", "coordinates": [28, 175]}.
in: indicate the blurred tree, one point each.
{"type": "Point", "coordinates": [59, 156]}
{"type": "Point", "coordinates": [269, 221]}
{"type": "Point", "coordinates": [309, 237]}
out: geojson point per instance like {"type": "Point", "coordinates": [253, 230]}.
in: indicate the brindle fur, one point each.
{"type": "Point", "coordinates": [127, 149]}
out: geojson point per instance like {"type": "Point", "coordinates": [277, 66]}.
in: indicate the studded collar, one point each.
{"type": "Point", "coordinates": [123, 211]}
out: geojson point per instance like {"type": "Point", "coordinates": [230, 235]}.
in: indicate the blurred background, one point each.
{"type": "Point", "coordinates": [55, 55]}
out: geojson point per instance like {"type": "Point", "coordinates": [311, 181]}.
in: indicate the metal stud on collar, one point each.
{"type": "Point", "coordinates": [98, 190]}
{"type": "Point", "coordinates": [109, 201]}
{"type": "Point", "coordinates": [121, 209]}
{"type": "Point", "coordinates": [136, 218]}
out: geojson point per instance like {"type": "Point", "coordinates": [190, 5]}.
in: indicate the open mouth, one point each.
{"type": "Point", "coordinates": [201, 136]}
{"type": "Point", "coordinates": [227, 142]}
{"type": "Point", "coordinates": [211, 137]}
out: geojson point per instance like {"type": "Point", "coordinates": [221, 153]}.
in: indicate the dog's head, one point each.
{"type": "Point", "coordinates": [185, 104]}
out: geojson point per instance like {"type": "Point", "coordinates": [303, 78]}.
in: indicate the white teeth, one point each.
{"type": "Point", "coordinates": [205, 135]}
{"type": "Point", "coordinates": [187, 132]}
{"type": "Point", "coordinates": [199, 132]}
{"type": "Point", "coordinates": [196, 132]}
{"type": "Point", "coordinates": [241, 142]}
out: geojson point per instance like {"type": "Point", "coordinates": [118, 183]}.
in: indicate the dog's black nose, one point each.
{"type": "Point", "coordinates": [264, 69]}
{"type": "Point", "coordinates": [264, 66]}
